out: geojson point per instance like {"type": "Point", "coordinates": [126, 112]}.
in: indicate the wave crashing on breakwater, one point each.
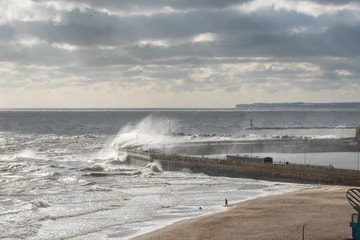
{"type": "Point", "coordinates": [154, 134]}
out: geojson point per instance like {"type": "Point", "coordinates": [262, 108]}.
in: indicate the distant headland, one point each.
{"type": "Point", "coordinates": [299, 105]}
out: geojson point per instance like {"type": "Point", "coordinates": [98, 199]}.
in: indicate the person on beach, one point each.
{"type": "Point", "coordinates": [226, 203]}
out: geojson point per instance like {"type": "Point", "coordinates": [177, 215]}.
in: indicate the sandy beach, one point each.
{"type": "Point", "coordinates": [323, 212]}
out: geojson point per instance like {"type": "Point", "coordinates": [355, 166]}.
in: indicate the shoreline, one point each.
{"type": "Point", "coordinates": [322, 211]}
{"type": "Point", "coordinates": [232, 202]}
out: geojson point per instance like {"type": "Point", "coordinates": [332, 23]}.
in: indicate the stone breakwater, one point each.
{"type": "Point", "coordinates": [285, 145]}
{"type": "Point", "coordinates": [248, 169]}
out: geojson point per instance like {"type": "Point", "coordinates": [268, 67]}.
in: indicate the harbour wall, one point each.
{"type": "Point", "coordinates": [271, 145]}
{"type": "Point", "coordinates": [249, 169]}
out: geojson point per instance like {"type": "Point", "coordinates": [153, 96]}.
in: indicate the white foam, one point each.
{"type": "Point", "coordinates": [31, 154]}
{"type": "Point", "coordinates": [149, 133]}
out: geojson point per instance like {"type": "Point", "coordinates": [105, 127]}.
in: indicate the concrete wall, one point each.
{"type": "Point", "coordinates": [138, 158]}
{"type": "Point", "coordinates": [256, 170]}
{"type": "Point", "coordinates": [266, 145]}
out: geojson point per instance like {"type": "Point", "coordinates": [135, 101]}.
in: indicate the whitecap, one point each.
{"type": "Point", "coordinates": [100, 188]}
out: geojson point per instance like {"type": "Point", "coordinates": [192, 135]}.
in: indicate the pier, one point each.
{"type": "Point", "coordinates": [281, 145]}
{"type": "Point", "coordinates": [247, 168]}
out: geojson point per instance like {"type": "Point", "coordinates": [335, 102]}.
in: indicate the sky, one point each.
{"type": "Point", "coordinates": [177, 53]}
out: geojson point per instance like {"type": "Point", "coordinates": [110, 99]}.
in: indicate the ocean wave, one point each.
{"type": "Point", "coordinates": [31, 154]}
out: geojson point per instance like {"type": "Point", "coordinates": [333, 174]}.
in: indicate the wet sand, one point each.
{"type": "Point", "coordinates": [323, 212]}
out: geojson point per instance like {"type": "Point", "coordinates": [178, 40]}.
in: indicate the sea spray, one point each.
{"type": "Point", "coordinates": [150, 132]}
{"type": "Point", "coordinates": [30, 154]}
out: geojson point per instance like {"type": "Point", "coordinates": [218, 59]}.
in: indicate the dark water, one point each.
{"type": "Point", "coordinates": [197, 122]}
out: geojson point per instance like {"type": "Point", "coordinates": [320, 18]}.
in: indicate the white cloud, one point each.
{"type": "Point", "coordinates": [65, 46]}
{"type": "Point", "coordinates": [303, 30]}
{"type": "Point", "coordinates": [136, 11]}
{"type": "Point", "coordinates": [205, 37]}
{"type": "Point", "coordinates": [305, 7]}
{"type": "Point", "coordinates": [201, 74]}
{"type": "Point", "coordinates": [23, 10]}
{"type": "Point", "coordinates": [343, 72]}
{"type": "Point", "coordinates": [65, 5]}
{"type": "Point", "coordinates": [158, 43]}
{"type": "Point", "coordinates": [29, 42]}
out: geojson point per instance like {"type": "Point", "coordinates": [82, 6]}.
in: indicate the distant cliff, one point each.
{"type": "Point", "coordinates": [299, 105]}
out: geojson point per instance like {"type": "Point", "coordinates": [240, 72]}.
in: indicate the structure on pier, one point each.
{"type": "Point", "coordinates": [353, 196]}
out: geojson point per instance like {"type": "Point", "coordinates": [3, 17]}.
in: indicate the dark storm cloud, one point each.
{"type": "Point", "coordinates": [237, 33]}
{"type": "Point", "coordinates": [344, 39]}
{"type": "Point", "coordinates": [6, 32]}
{"type": "Point", "coordinates": [263, 34]}
{"type": "Point", "coordinates": [155, 4]}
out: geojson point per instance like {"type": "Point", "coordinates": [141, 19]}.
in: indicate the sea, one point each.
{"type": "Point", "coordinates": [47, 155]}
